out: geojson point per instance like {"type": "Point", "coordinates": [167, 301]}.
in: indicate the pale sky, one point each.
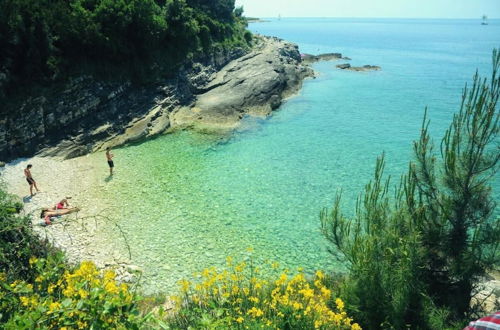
{"type": "Point", "coordinates": [372, 8]}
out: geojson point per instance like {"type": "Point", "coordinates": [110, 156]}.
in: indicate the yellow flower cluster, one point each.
{"type": "Point", "coordinates": [248, 300]}
{"type": "Point", "coordinates": [76, 298]}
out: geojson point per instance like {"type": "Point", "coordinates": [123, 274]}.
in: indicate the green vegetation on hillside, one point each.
{"type": "Point", "coordinates": [43, 40]}
{"type": "Point", "coordinates": [415, 257]}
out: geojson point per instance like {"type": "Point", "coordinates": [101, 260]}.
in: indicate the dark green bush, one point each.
{"type": "Point", "coordinates": [43, 40]}
{"type": "Point", "coordinates": [18, 243]}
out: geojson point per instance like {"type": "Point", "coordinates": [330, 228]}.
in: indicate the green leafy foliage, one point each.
{"type": "Point", "coordinates": [59, 298]}
{"type": "Point", "coordinates": [17, 241]}
{"type": "Point", "coordinates": [415, 257]}
{"type": "Point", "coordinates": [42, 40]}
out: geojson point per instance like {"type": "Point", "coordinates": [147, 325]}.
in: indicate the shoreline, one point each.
{"type": "Point", "coordinates": [83, 235]}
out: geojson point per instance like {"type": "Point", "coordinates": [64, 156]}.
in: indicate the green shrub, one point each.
{"type": "Point", "coordinates": [415, 257]}
{"type": "Point", "coordinates": [62, 299]}
{"type": "Point", "coordinates": [18, 242]}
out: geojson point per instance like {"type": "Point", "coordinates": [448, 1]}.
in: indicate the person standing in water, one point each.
{"type": "Point", "coordinates": [110, 156]}
{"type": "Point", "coordinates": [29, 178]}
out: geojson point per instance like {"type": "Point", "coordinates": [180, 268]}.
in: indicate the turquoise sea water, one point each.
{"type": "Point", "coordinates": [186, 201]}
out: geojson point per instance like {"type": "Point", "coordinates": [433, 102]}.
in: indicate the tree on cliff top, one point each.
{"type": "Point", "coordinates": [429, 245]}
{"type": "Point", "coordinates": [42, 40]}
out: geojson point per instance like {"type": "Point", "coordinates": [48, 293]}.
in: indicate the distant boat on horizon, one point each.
{"type": "Point", "coordinates": [485, 20]}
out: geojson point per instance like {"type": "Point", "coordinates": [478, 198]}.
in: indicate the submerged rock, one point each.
{"type": "Point", "coordinates": [343, 66]}
{"type": "Point", "coordinates": [347, 66]}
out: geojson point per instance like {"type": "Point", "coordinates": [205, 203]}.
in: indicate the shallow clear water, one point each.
{"type": "Point", "coordinates": [186, 201]}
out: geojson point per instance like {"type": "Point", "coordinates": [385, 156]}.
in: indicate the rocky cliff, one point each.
{"type": "Point", "coordinates": [86, 114]}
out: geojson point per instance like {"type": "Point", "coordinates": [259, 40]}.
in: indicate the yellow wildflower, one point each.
{"type": "Point", "coordinates": [240, 267]}
{"type": "Point", "coordinates": [317, 324]}
{"type": "Point", "coordinates": [282, 279]}
{"type": "Point", "coordinates": [25, 301]}
{"type": "Point", "coordinates": [254, 299]}
{"type": "Point", "coordinates": [235, 290]}
{"type": "Point", "coordinates": [320, 275]}
{"type": "Point", "coordinates": [184, 285]}
{"type": "Point", "coordinates": [53, 306]}
{"type": "Point", "coordinates": [307, 293]}
{"type": "Point", "coordinates": [109, 275]}
{"type": "Point", "coordinates": [33, 260]}
{"type": "Point", "coordinates": [255, 312]}
{"type": "Point", "coordinates": [111, 287]}
{"type": "Point", "coordinates": [68, 292]}
{"type": "Point", "coordinates": [250, 249]}
{"type": "Point", "coordinates": [50, 288]}
{"type": "Point", "coordinates": [84, 294]}
{"type": "Point", "coordinates": [325, 293]}
{"type": "Point", "coordinates": [355, 326]}
{"type": "Point", "coordinates": [240, 319]}
{"type": "Point", "coordinates": [340, 304]}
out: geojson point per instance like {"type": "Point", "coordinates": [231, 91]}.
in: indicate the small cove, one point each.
{"type": "Point", "coordinates": [187, 200]}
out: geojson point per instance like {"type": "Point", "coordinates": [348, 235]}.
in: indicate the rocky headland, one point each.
{"type": "Point", "coordinates": [85, 114]}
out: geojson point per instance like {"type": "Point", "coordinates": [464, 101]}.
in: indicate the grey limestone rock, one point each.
{"type": "Point", "coordinates": [86, 114]}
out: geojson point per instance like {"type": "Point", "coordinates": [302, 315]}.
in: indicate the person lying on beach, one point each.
{"type": "Point", "coordinates": [48, 213]}
{"type": "Point", "coordinates": [63, 204]}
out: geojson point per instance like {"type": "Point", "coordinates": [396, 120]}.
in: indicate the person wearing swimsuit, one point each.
{"type": "Point", "coordinates": [109, 157]}
{"type": "Point", "coordinates": [63, 204]}
{"type": "Point", "coordinates": [48, 213]}
{"type": "Point", "coordinates": [29, 178]}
